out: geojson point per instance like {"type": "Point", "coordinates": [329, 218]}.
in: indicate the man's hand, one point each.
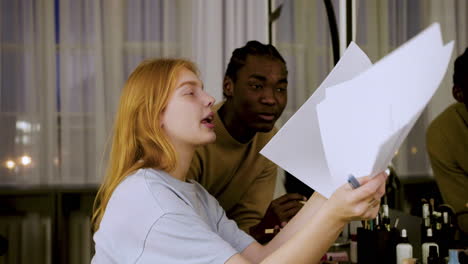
{"type": "Point", "coordinates": [278, 214]}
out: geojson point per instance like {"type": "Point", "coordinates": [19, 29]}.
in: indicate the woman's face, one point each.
{"type": "Point", "coordinates": [188, 119]}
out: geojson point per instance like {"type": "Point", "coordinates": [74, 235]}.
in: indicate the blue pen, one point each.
{"type": "Point", "coordinates": [355, 183]}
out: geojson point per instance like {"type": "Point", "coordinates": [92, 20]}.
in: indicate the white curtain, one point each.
{"type": "Point", "coordinates": [383, 26]}
{"type": "Point", "coordinates": [302, 36]}
{"type": "Point", "coordinates": [63, 63]}
{"type": "Point", "coordinates": [28, 119]}
{"type": "Point", "coordinates": [100, 43]}
{"type": "Point", "coordinates": [219, 27]}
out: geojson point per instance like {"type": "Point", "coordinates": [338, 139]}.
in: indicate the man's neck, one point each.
{"type": "Point", "coordinates": [233, 124]}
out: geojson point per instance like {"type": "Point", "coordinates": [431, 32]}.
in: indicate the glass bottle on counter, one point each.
{"type": "Point", "coordinates": [426, 222]}
{"type": "Point", "coordinates": [425, 246]}
{"type": "Point", "coordinates": [433, 257]}
{"type": "Point", "coordinates": [386, 217]}
{"type": "Point", "coordinates": [404, 250]}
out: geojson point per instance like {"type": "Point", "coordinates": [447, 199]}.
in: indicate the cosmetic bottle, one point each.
{"type": "Point", "coordinates": [433, 257]}
{"type": "Point", "coordinates": [453, 257]}
{"type": "Point", "coordinates": [386, 217]}
{"type": "Point", "coordinates": [353, 244]}
{"type": "Point", "coordinates": [446, 235]}
{"type": "Point", "coordinates": [404, 250]}
{"type": "Point", "coordinates": [425, 247]}
{"type": "Point", "coordinates": [426, 222]}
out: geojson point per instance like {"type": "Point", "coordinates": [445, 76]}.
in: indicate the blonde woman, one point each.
{"type": "Point", "coordinates": [147, 212]}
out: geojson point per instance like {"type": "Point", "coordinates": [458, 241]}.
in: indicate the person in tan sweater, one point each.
{"type": "Point", "coordinates": [231, 168]}
{"type": "Point", "coordinates": [447, 144]}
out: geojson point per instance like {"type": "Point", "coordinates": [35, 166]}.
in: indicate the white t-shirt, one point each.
{"type": "Point", "coordinates": [154, 218]}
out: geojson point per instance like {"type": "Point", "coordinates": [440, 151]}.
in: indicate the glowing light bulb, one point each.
{"type": "Point", "coordinates": [25, 160]}
{"type": "Point", "coordinates": [10, 164]}
{"type": "Point", "coordinates": [414, 150]}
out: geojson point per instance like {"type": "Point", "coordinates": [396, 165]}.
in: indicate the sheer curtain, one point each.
{"type": "Point", "coordinates": [383, 26]}
{"type": "Point", "coordinates": [219, 27]}
{"type": "Point", "coordinates": [100, 43]}
{"type": "Point", "coordinates": [302, 36]}
{"type": "Point", "coordinates": [63, 63]}
{"type": "Point", "coordinates": [28, 133]}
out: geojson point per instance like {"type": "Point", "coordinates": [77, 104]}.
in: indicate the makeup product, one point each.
{"type": "Point", "coordinates": [341, 256]}
{"type": "Point", "coordinates": [272, 231]}
{"type": "Point", "coordinates": [353, 253]}
{"type": "Point", "coordinates": [409, 261]}
{"type": "Point", "coordinates": [353, 249]}
{"type": "Point", "coordinates": [387, 171]}
{"type": "Point", "coordinates": [431, 206]}
{"type": "Point", "coordinates": [425, 247]}
{"type": "Point", "coordinates": [386, 217]}
{"type": "Point", "coordinates": [446, 235]}
{"type": "Point", "coordinates": [426, 222]}
{"type": "Point", "coordinates": [378, 225]}
{"type": "Point", "coordinates": [404, 250]}
{"type": "Point", "coordinates": [433, 257]}
{"type": "Point", "coordinates": [397, 220]}
{"type": "Point", "coordinates": [453, 257]}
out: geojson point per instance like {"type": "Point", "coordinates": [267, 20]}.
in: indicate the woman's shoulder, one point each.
{"type": "Point", "coordinates": [148, 188]}
{"type": "Point", "coordinates": [170, 194]}
{"type": "Point", "coordinates": [132, 197]}
{"type": "Point", "coordinates": [139, 201]}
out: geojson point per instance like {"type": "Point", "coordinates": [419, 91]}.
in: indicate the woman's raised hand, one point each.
{"type": "Point", "coordinates": [350, 204]}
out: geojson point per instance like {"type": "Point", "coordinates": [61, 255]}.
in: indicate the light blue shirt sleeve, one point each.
{"type": "Point", "coordinates": [230, 232]}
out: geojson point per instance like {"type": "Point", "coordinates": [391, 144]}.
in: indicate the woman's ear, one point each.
{"type": "Point", "coordinates": [228, 87]}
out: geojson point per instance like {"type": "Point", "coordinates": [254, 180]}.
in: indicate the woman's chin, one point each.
{"type": "Point", "coordinates": [207, 140]}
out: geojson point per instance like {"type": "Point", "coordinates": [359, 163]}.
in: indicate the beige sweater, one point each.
{"type": "Point", "coordinates": [447, 145]}
{"type": "Point", "coordinates": [240, 178]}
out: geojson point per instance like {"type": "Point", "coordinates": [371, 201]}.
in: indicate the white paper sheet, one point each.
{"type": "Point", "coordinates": [361, 113]}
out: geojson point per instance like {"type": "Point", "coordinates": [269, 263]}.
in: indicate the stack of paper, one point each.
{"type": "Point", "coordinates": [361, 113]}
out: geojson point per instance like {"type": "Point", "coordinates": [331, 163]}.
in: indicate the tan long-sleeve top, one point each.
{"type": "Point", "coordinates": [240, 178]}
{"type": "Point", "coordinates": [447, 145]}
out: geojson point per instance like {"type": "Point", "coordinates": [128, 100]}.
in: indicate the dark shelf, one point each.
{"type": "Point", "coordinates": [57, 202]}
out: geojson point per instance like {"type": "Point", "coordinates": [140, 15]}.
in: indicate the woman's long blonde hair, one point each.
{"type": "Point", "coordinates": [138, 140]}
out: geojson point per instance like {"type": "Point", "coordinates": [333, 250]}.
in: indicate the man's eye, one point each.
{"type": "Point", "coordinates": [257, 86]}
{"type": "Point", "coordinates": [281, 90]}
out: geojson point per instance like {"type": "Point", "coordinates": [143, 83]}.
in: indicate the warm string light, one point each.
{"type": "Point", "coordinates": [10, 164]}
{"type": "Point", "coordinates": [24, 160]}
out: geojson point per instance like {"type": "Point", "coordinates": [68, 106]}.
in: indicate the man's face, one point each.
{"type": "Point", "coordinates": [259, 94]}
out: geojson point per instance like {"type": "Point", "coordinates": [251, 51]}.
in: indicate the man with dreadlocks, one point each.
{"type": "Point", "coordinates": [231, 168]}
